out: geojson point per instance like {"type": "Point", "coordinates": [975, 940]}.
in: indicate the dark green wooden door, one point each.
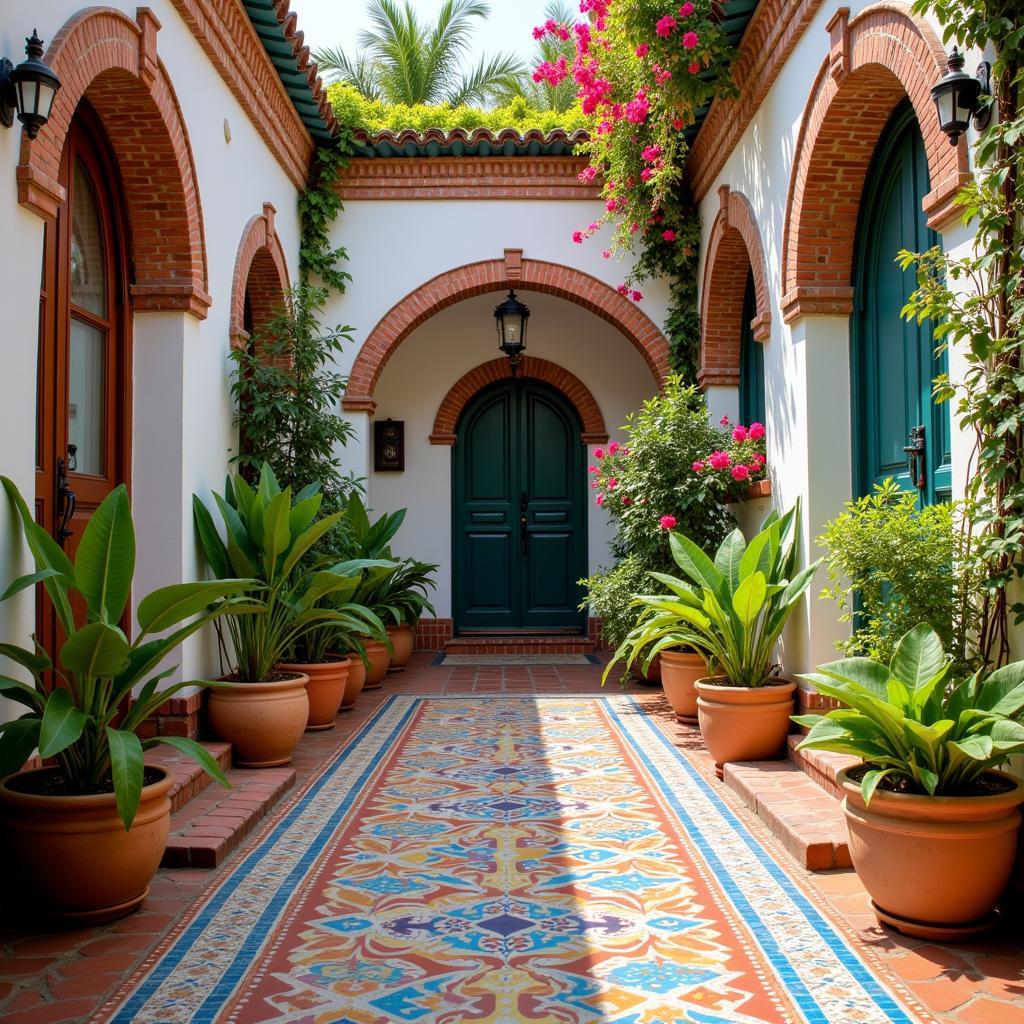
{"type": "Point", "coordinates": [751, 361]}
{"type": "Point", "coordinates": [519, 543]}
{"type": "Point", "coordinates": [893, 362]}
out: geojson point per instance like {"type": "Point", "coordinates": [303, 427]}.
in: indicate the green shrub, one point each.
{"type": "Point", "coordinates": [610, 594]}
{"type": "Point", "coordinates": [892, 566]}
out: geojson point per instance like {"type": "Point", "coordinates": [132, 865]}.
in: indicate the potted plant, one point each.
{"type": "Point", "coordinates": [264, 709]}
{"type": "Point", "coordinates": [402, 600]}
{"type": "Point", "coordinates": [933, 826]}
{"type": "Point", "coordinates": [732, 610]}
{"type": "Point", "coordinates": [87, 833]}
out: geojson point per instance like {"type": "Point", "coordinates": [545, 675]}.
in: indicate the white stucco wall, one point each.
{"type": "Point", "coordinates": [181, 405]}
{"type": "Point", "coordinates": [806, 362]}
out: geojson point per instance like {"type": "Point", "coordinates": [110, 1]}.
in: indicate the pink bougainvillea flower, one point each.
{"type": "Point", "coordinates": [600, 500]}
{"type": "Point", "coordinates": [678, 124]}
{"type": "Point", "coordinates": [669, 236]}
{"type": "Point", "coordinates": [739, 434]}
{"type": "Point", "coordinates": [693, 68]}
{"type": "Point", "coordinates": [642, 50]}
{"type": "Point", "coordinates": [613, 447]}
{"type": "Point", "coordinates": [588, 173]}
{"type": "Point", "coordinates": [719, 460]}
{"type": "Point", "coordinates": [646, 174]}
{"type": "Point", "coordinates": [636, 296]}
{"type": "Point", "coordinates": [697, 466]}
{"type": "Point", "coordinates": [686, 10]}
{"type": "Point", "coordinates": [756, 431]}
{"type": "Point", "coordinates": [627, 500]}
{"type": "Point", "coordinates": [540, 32]}
{"type": "Point", "coordinates": [651, 153]}
{"type": "Point", "coordinates": [623, 289]}
{"type": "Point", "coordinates": [606, 254]}
{"type": "Point", "coordinates": [740, 472]}
{"type": "Point", "coordinates": [611, 205]}
{"type": "Point", "coordinates": [666, 26]}
{"type": "Point", "coordinates": [690, 40]}
{"type": "Point", "coordinates": [759, 458]}
{"type": "Point", "coordinates": [667, 522]}
{"type": "Point", "coordinates": [613, 482]}
{"type": "Point", "coordinates": [724, 421]}
{"type": "Point", "coordinates": [591, 469]}
{"type": "Point", "coordinates": [577, 237]}
{"type": "Point", "coordinates": [598, 453]}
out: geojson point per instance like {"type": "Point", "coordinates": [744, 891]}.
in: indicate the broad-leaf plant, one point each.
{"type": "Point", "coordinates": [79, 708]}
{"type": "Point", "coordinates": [912, 725]}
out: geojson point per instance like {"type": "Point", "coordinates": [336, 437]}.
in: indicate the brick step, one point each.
{"type": "Point", "coordinates": [512, 644]}
{"type": "Point", "coordinates": [806, 819]}
{"type": "Point", "coordinates": [211, 826]}
{"type": "Point", "coordinates": [189, 779]}
{"type": "Point", "coordinates": [821, 766]}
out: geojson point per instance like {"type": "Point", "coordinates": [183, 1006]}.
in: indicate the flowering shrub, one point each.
{"type": "Point", "coordinates": [738, 463]}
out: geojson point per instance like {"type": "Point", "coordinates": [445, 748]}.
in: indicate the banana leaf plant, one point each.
{"type": "Point", "coordinates": [267, 536]}
{"type": "Point", "coordinates": [730, 609]}
{"type": "Point", "coordinates": [366, 539]}
{"type": "Point", "coordinates": [75, 702]}
{"type": "Point", "coordinates": [911, 726]}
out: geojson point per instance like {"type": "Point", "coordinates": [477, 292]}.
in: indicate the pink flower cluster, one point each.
{"type": "Point", "coordinates": [742, 460]}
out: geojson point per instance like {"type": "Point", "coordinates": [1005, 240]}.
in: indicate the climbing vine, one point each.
{"type": "Point", "coordinates": [318, 207]}
{"type": "Point", "coordinates": [977, 302]}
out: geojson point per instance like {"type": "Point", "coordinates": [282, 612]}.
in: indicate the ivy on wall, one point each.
{"type": "Point", "coordinates": [319, 205]}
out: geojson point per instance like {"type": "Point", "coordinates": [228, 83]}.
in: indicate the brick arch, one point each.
{"type": "Point", "coordinates": [876, 60]}
{"type": "Point", "coordinates": [106, 58]}
{"type": "Point", "coordinates": [260, 271]}
{"type": "Point", "coordinates": [490, 276]}
{"type": "Point", "coordinates": [463, 390]}
{"type": "Point", "coordinates": [734, 250]}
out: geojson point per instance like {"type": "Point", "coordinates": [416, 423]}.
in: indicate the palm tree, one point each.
{"type": "Point", "coordinates": [403, 60]}
{"type": "Point", "coordinates": [543, 95]}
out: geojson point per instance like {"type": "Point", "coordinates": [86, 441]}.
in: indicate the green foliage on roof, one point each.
{"type": "Point", "coordinates": [356, 112]}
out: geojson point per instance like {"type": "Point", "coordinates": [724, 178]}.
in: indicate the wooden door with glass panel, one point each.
{"type": "Point", "coordinates": [83, 374]}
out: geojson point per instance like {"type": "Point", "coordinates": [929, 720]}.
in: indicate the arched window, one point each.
{"type": "Point", "coordinates": [751, 361]}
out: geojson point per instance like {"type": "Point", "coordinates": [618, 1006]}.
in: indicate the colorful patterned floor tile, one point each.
{"type": "Point", "coordinates": [506, 859]}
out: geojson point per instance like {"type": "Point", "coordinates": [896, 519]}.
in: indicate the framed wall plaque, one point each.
{"type": "Point", "coordinates": [389, 446]}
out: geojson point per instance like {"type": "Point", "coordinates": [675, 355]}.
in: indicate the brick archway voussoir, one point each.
{"type": "Point", "coordinates": [260, 262]}
{"type": "Point", "coordinates": [462, 391]}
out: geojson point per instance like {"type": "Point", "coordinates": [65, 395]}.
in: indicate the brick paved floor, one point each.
{"type": "Point", "coordinates": [48, 977]}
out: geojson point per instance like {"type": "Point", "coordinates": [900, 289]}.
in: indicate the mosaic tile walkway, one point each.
{"type": "Point", "coordinates": [517, 858]}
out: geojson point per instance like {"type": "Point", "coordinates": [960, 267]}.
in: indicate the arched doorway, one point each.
{"type": "Point", "coordinates": [84, 405]}
{"type": "Point", "coordinates": [893, 361]}
{"type": "Point", "coordinates": [752, 401]}
{"type": "Point", "coordinates": [519, 524]}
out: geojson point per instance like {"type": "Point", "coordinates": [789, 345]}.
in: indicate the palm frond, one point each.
{"type": "Point", "coordinates": [487, 79]}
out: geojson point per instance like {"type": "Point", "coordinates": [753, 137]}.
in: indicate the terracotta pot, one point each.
{"type": "Point", "coordinates": [650, 677]}
{"type": "Point", "coordinates": [325, 690]}
{"type": "Point", "coordinates": [74, 854]}
{"type": "Point", "coordinates": [355, 682]}
{"type": "Point", "coordinates": [263, 722]}
{"type": "Point", "coordinates": [679, 672]}
{"type": "Point", "coordinates": [934, 867]}
{"type": "Point", "coordinates": [379, 657]}
{"type": "Point", "coordinates": [743, 723]}
{"type": "Point", "coordinates": [403, 640]}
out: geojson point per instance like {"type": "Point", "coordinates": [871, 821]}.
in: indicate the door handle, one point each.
{"type": "Point", "coordinates": [524, 533]}
{"type": "Point", "coordinates": [66, 500]}
{"type": "Point", "coordinates": [916, 452]}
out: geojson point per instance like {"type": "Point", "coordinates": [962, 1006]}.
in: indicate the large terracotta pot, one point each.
{"type": "Point", "coordinates": [355, 682]}
{"type": "Point", "coordinates": [403, 640]}
{"type": "Point", "coordinates": [325, 690]}
{"type": "Point", "coordinates": [651, 676]}
{"type": "Point", "coordinates": [743, 723]}
{"type": "Point", "coordinates": [263, 722]}
{"type": "Point", "coordinates": [379, 656]}
{"type": "Point", "coordinates": [679, 672]}
{"type": "Point", "coordinates": [74, 854]}
{"type": "Point", "coordinates": [934, 867]}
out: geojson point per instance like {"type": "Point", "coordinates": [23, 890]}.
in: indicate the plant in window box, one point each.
{"type": "Point", "coordinates": [933, 825]}
{"type": "Point", "coordinates": [264, 708]}
{"type": "Point", "coordinates": [738, 462]}
{"type": "Point", "coordinates": [87, 834]}
{"type": "Point", "coordinates": [732, 609]}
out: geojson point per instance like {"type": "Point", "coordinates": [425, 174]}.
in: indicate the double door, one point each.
{"type": "Point", "coordinates": [519, 537]}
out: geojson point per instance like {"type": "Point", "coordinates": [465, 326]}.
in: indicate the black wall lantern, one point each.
{"type": "Point", "coordinates": [511, 317]}
{"type": "Point", "coordinates": [958, 97]}
{"type": "Point", "coordinates": [28, 89]}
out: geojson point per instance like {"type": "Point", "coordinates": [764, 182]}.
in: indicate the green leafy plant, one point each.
{"type": "Point", "coordinates": [266, 537]}
{"type": "Point", "coordinates": [402, 597]}
{"type": "Point", "coordinates": [75, 702]}
{"type": "Point", "coordinates": [366, 539]}
{"type": "Point", "coordinates": [732, 609]}
{"type": "Point", "coordinates": [319, 206]}
{"type": "Point", "coordinates": [915, 731]}
{"type": "Point", "coordinates": [891, 566]}
{"type": "Point", "coordinates": [610, 597]}
{"type": "Point", "coordinates": [287, 394]}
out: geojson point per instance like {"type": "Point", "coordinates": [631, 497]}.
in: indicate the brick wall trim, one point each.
{"type": "Point", "coordinates": [876, 59]}
{"type": "Point", "coordinates": [462, 392]}
{"type": "Point", "coordinates": [109, 60]}
{"type": "Point", "coordinates": [474, 279]}
{"type": "Point", "coordinates": [260, 269]}
{"type": "Point", "coordinates": [735, 248]}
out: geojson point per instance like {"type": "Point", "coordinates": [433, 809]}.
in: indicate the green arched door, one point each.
{"type": "Point", "coordinates": [893, 361]}
{"type": "Point", "coordinates": [519, 537]}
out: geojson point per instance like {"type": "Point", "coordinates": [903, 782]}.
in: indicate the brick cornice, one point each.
{"type": "Point", "coordinates": [448, 178]}
{"type": "Point", "coordinates": [774, 30]}
{"type": "Point", "coordinates": [225, 33]}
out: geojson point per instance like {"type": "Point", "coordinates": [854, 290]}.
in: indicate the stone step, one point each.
{"type": "Point", "coordinates": [512, 644]}
{"type": "Point", "coordinates": [212, 825]}
{"type": "Point", "coordinates": [189, 778]}
{"type": "Point", "coordinates": [822, 766]}
{"type": "Point", "coordinates": [806, 819]}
